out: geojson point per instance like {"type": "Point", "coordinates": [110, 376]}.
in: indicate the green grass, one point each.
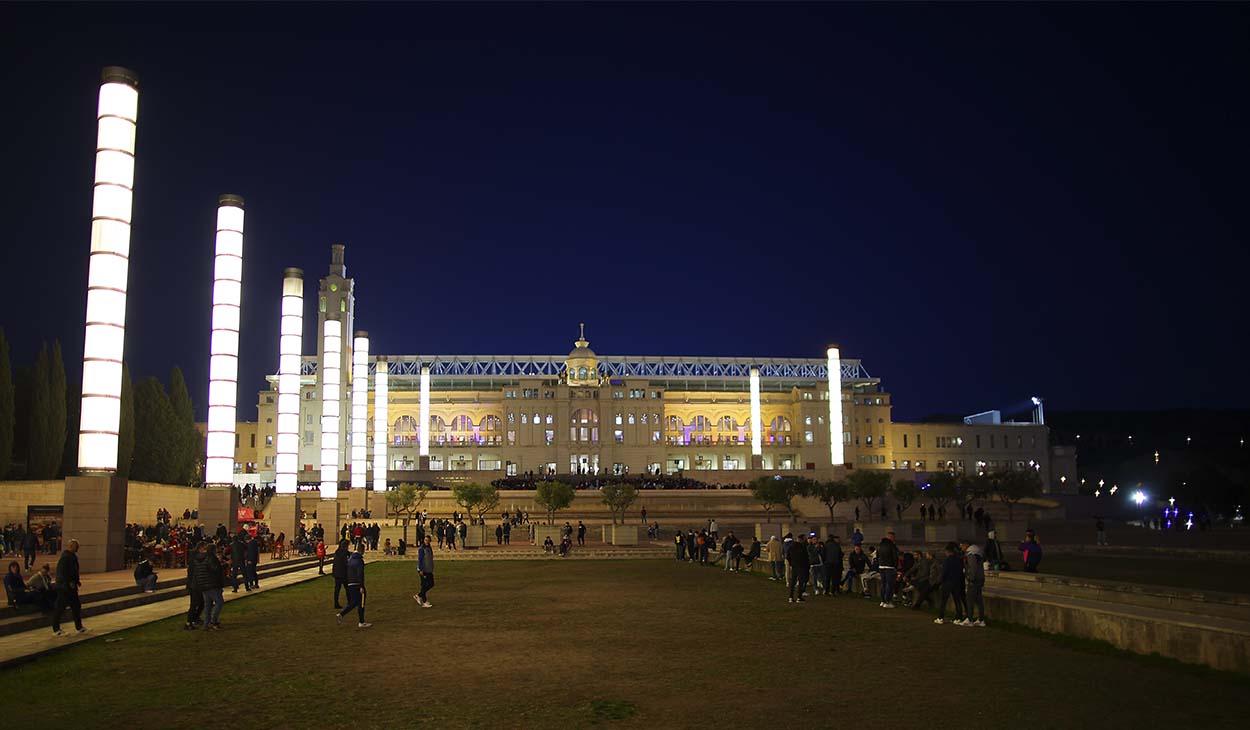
{"type": "Point", "coordinates": [627, 643]}
{"type": "Point", "coordinates": [1229, 576]}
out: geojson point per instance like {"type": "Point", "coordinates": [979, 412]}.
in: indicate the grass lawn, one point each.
{"type": "Point", "coordinates": [1229, 576]}
{"type": "Point", "coordinates": [627, 643]}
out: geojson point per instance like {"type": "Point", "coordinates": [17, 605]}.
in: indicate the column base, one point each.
{"type": "Point", "coordinates": [95, 516]}
{"type": "Point", "coordinates": [219, 506]}
{"type": "Point", "coordinates": [328, 518]}
{"type": "Point", "coordinates": [282, 516]}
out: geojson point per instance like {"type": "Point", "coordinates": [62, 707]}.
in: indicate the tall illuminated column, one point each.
{"type": "Point", "coordinates": [423, 451]}
{"type": "Point", "coordinates": [330, 377]}
{"type": "Point", "coordinates": [381, 417]}
{"type": "Point", "coordinates": [95, 502]}
{"type": "Point", "coordinates": [757, 451]}
{"type": "Point", "coordinates": [290, 347]}
{"type": "Point", "coordinates": [116, 119]}
{"type": "Point", "coordinates": [223, 349]}
{"type": "Point", "coordinates": [360, 410]}
{"type": "Point", "coordinates": [837, 451]}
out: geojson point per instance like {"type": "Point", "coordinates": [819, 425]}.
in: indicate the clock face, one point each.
{"type": "Point", "coordinates": [334, 287]}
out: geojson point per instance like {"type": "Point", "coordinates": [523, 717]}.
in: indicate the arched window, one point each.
{"type": "Point", "coordinates": [584, 426]}
{"type": "Point", "coordinates": [780, 424]}
{"type": "Point", "coordinates": [674, 423]}
{"type": "Point", "coordinates": [462, 423]}
{"type": "Point", "coordinates": [405, 430]}
{"type": "Point", "coordinates": [701, 423]}
{"type": "Point", "coordinates": [726, 423]}
{"type": "Point", "coordinates": [581, 374]}
{"type": "Point", "coordinates": [490, 423]}
{"type": "Point", "coordinates": [585, 415]}
{"type": "Point", "coordinates": [525, 419]}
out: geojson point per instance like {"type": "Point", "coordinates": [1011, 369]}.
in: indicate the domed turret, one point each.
{"type": "Point", "coordinates": [582, 365]}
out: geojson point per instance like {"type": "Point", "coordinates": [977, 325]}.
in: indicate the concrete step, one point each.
{"type": "Point", "coordinates": [13, 621]}
{"type": "Point", "coordinates": [1206, 603]}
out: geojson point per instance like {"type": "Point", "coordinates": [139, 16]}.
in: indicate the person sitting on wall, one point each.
{"type": "Point", "coordinates": [18, 593]}
{"type": "Point", "coordinates": [145, 577]}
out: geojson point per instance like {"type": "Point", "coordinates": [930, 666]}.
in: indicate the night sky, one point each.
{"type": "Point", "coordinates": [982, 202]}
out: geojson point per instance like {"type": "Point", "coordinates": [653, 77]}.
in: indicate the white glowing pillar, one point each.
{"type": "Point", "coordinates": [100, 419]}
{"type": "Point", "coordinates": [223, 346]}
{"type": "Point", "coordinates": [424, 449]}
{"type": "Point", "coordinates": [837, 452]}
{"type": "Point", "coordinates": [360, 410]}
{"type": "Point", "coordinates": [756, 426]}
{"type": "Point", "coordinates": [290, 344]}
{"type": "Point", "coordinates": [380, 416]}
{"type": "Point", "coordinates": [330, 377]}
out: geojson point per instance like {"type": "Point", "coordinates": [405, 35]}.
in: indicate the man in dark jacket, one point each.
{"type": "Point", "coordinates": [355, 588]}
{"type": "Point", "coordinates": [339, 570]}
{"type": "Point", "coordinates": [951, 584]}
{"type": "Point", "coordinates": [238, 551]}
{"type": "Point", "coordinates": [251, 560]}
{"type": "Point", "coordinates": [796, 556]}
{"type": "Point", "coordinates": [887, 566]}
{"type": "Point", "coordinates": [857, 566]}
{"type": "Point", "coordinates": [145, 577]}
{"type": "Point", "coordinates": [833, 566]}
{"type": "Point", "coordinates": [30, 546]}
{"type": "Point", "coordinates": [197, 599]}
{"type": "Point", "coordinates": [67, 584]}
{"type": "Point", "coordinates": [210, 578]}
{"type": "Point", "coordinates": [425, 572]}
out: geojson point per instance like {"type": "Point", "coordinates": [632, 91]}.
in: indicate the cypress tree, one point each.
{"type": "Point", "coordinates": [38, 417]}
{"type": "Point", "coordinates": [57, 410]}
{"type": "Point", "coordinates": [186, 437]}
{"type": "Point", "coordinates": [8, 408]}
{"type": "Point", "coordinates": [73, 413]}
{"type": "Point", "coordinates": [154, 454]}
{"type": "Point", "coordinates": [126, 433]}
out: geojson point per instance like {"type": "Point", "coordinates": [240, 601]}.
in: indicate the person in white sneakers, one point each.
{"type": "Point", "coordinates": [355, 587]}
{"type": "Point", "coordinates": [952, 584]}
{"type": "Point", "coordinates": [974, 572]}
{"type": "Point", "coordinates": [425, 569]}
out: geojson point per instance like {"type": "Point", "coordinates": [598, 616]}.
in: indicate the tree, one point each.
{"type": "Point", "coordinates": [185, 437]}
{"type": "Point", "coordinates": [485, 500]}
{"type": "Point", "coordinates": [73, 412]}
{"type": "Point", "coordinates": [618, 496]}
{"type": "Point", "coordinates": [39, 464]}
{"type": "Point", "coordinates": [8, 408]}
{"type": "Point", "coordinates": [405, 501]}
{"type": "Point", "coordinates": [831, 494]}
{"type": "Point", "coordinates": [1012, 486]}
{"type": "Point", "coordinates": [126, 430]}
{"type": "Point", "coordinates": [553, 496]}
{"type": "Point", "coordinates": [905, 493]}
{"type": "Point", "coordinates": [868, 486]}
{"type": "Point", "coordinates": [58, 410]}
{"type": "Point", "coordinates": [778, 491]}
{"type": "Point", "coordinates": [155, 450]}
{"type": "Point", "coordinates": [942, 488]}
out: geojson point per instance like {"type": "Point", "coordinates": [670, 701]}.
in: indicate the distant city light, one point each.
{"type": "Point", "coordinates": [1139, 497]}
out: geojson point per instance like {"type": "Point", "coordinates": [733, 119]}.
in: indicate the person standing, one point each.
{"type": "Point", "coordinates": [251, 561]}
{"type": "Point", "coordinates": [238, 551]}
{"type": "Point", "coordinates": [499, 535]}
{"type": "Point", "coordinates": [355, 588]}
{"type": "Point", "coordinates": [1100, 528]}
{"type": "Point", "coordinates": [796, 556]}
{"type": "Point", "coordinates": [193, 589]}
{"type": "Point", "coordinates": [507, 533]}
{"type": "Point", "coordinates": [68, 582]}
{"type": "Point", "coordinates": [581, 533]}
{"type": "Point", "coordinates": [951, 584]}
{"type": "Point", "coordinates": [775, 564]}
{"type": "Point", "coordinates": [425, 572]}
{"type": "Point", "coordinates": [678, 541]}
{"type": "Point", "coordinates": [887, 567]}
{"type": "Point", "coordinates": [816, 561]}
{"type": "Point", "coordinates": [321, 557]}
{"type": "Point", "coordinates": [974, 571]}
{"type": "Point", "coordinates": [644, 515]}
{"type": "Point", "coordinates": [210, 577]}
{"type": "Point", "coordinates": [30, 546]}
{"type": "Point", "coordinates": [833, 566]}
{"type": "Point", "coordinates": [338, 568]}
{"type": "Point", "coordinates": [1032, 552]}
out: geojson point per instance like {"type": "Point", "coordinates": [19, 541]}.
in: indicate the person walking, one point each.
{"type": "Point", "coordinates": [951, 584]}
{"type": "Point", "coordinates": [68, 582]}
{"type": "Point", "coordinates": [338, 568]}
{"type": "Point", "coordinates": [974, 571]}
{"type": "Point", "coordinates": [355, 588]}
{"type": "Point", "coordinates": [30, 546]}
{"type": "Point", "coordinates": [425, 572]}
{"type": "Point", "coordinates": [775, 560]}
{"type": "Point", "coordinates": [796, 556]}
{"type": "Point", "coordinates": [887, 567]}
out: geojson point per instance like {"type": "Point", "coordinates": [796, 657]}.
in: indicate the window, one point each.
{"type": "Point", "coordinates": [868, 440]}
{"type": "Point", "coordinates": [618, 394]}
{"type": "Point", "coordinates": [550, 419]}
{"type": "Point", "coordinates": [529, 392]}
{"type": "Point", "coordinates": [655, 437]}
{"type": "Point", "coordinates": [549, 394]}
{"type": "Point", "coordinates": [342, 305]}
{"type": "Point", "coordinates": [308, 437]}
{"type": "Point", "coordinates": [253, 440]}
{"type": "Point", "coordinates": [551, 436]}
{"type": "Point", "coordinates": [511, 437]}
{"type": "Point", "coordinates": [904, 445]}
{"type": "Point", "coordinates": [511, 471]}
{"type": "Point", "coordinates": [807, 420]}
{"type": "Point", "coordinates": [618, 419]}
{"type": "Point", "coordinates": [269, 440]}
{"type": "Point", "coordinates": [807, 396]}
{"type": "Point", "coordinates": [525, 419]}
{"type": "Point", "coordinates": [236, 441]}
{"type": "Point", "coordinates": [820, 420]}
{"type": "Point", "coordinates": [268, 461]}
{"type": "Point", "coordinates": [991, 441]}
{"type": "Point", "coordinates": [917, 440]}
{"type": "Point", "coordinates": [510, 393]}
{"type": "Point", "coordinates": [906, 463]}
{"type": "Point", "coordinates": [631, 419]}
{"type": "Point", "coordinates": [978, 441]}
{"type": "Point", "coordinates": [655, 394]}
{"type": "Point", "coordinates": [308, 418]}
{"type": "Point", "coordinates": [537, 419]}
{"type": "Point", "coordinates": [310, 395]}
{"type": "Point", "coordinates": [322, 305]}
{"type": "Point", "coordinates": [881, 440]}
{"type": "Point", "coordinates": [807, 436]}
{"type": "Point", "coordinates": [618, 436]}
{"type": "Point", "coordinates": [511, 417]}
{"type": "Point", "coordinates": [919, 465]}
{"type": "Point", "coordinates": [644, 419]}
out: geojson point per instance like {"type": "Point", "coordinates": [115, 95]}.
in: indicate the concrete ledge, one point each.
{"type": "Point", "coordinates": [1205, 603]}
{"type": "Point", "coordinates": [1215, 642]}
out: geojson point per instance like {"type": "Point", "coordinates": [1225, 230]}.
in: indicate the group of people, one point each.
{"type": "Point", "coordinates": [348, 571]}
{"type": "Point", "coordinates": [49, 591]}
{"type": "Point", "coordinates": [30, 540]}
{"type": "Point", "coordinates": [648, 481]}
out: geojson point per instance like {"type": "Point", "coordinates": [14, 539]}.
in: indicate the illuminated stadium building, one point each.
{"type": "Point", "coordinates": [589, 413]}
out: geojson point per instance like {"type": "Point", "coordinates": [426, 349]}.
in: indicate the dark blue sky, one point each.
{"type": "Point", "coordinates": [981, 202]}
